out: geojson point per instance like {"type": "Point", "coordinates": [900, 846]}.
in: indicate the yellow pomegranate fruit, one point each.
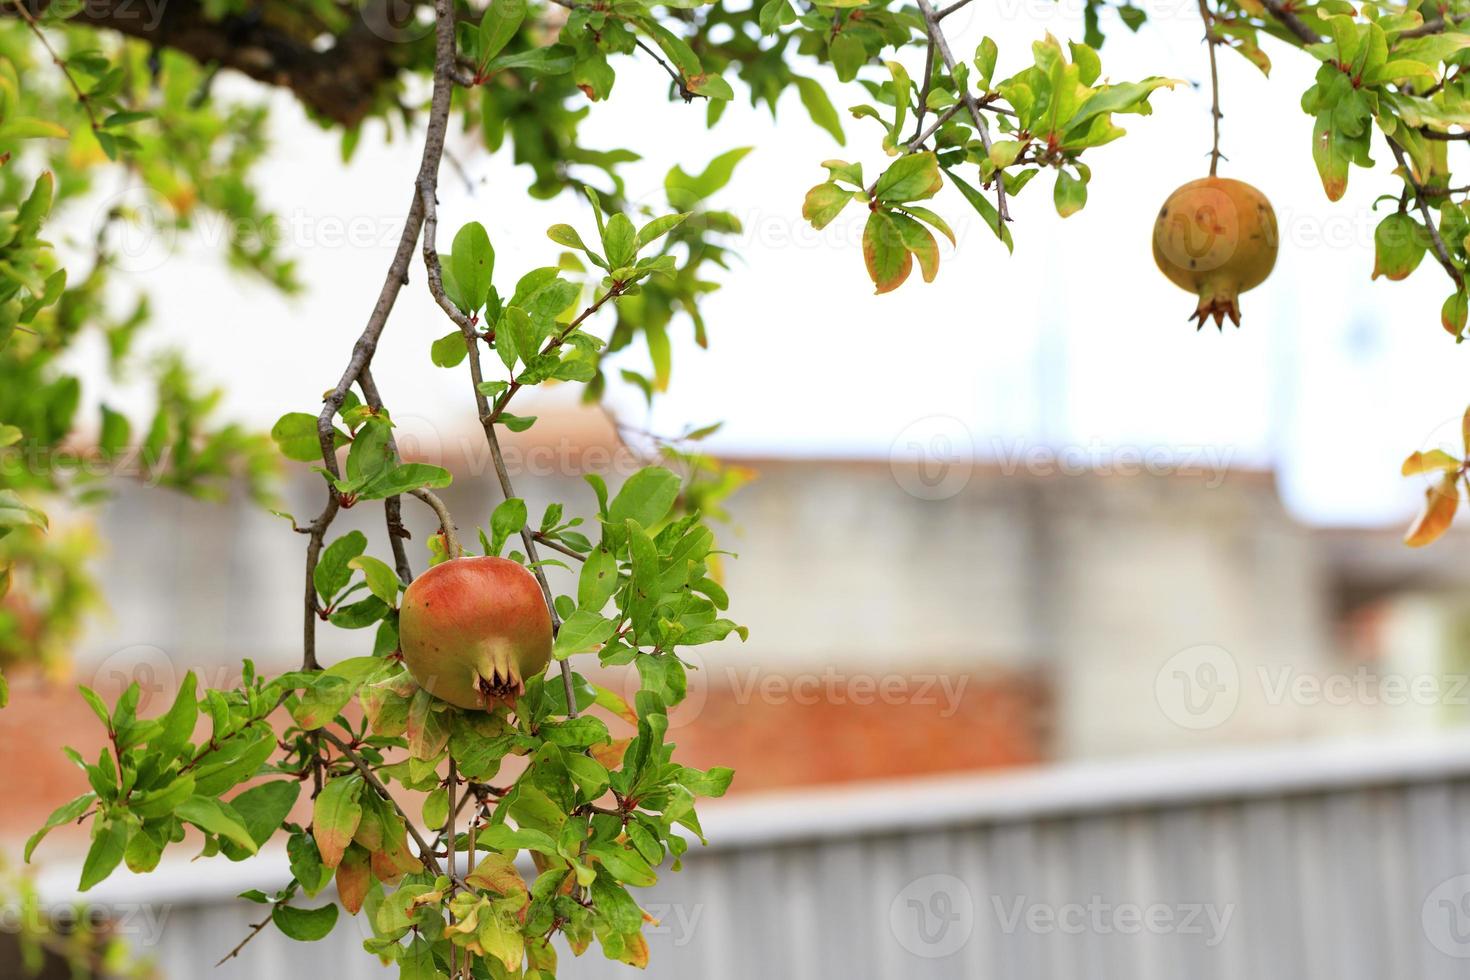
{"type": "Point", "coordinates": [1216, 237]}
{"type": "Point", "coordinates": [473, 630]}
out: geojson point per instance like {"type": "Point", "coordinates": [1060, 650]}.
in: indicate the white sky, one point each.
{"type": "Point", "coordinates": [1076, 340]}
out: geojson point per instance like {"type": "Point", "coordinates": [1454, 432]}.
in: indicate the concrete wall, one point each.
{"type": "Point", "coordinates": [1092, 582]}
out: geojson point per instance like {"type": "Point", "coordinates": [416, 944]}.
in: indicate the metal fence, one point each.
{"type": "Point", "coordinates": [1342, 861]}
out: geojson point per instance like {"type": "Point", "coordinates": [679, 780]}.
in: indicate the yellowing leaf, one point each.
{"type": "Point", "coordinates": [1435, 459]}
{"type": "Point", "coordinates": [497, 873]}
{"type": "Point", "coordinates": [335, 817]}
{"type": "Point", "coordinates": [1440, 503]}
{"type": "Point", "coordinates": [889, 263]}
{"type": "Point", "coordinates": [354, 878]}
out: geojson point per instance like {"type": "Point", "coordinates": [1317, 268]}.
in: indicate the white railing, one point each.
{"type": "Point", "coordinates": [1348, 860]}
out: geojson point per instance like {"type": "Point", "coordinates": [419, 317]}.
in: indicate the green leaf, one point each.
{"type": "Point", "coordinates": [15, 512]}
{"type": "Point", "coordinates": [262, 809]}
{"type": "Point", "coordinates": [517, 423]}
{"type": "Point", "coordinates": [305, 925]}
{"type": "Point", "coordinates": [509, 517]}
{"type": "Point", "coordinates": [909, 178]}
{"type": "Point", "coordinates": [474, 261]}
{"type": "Point", "coordinates": [582, 632]}
{"type": "Point", "coordinates": [987, 210]}
{"type": "Point", "coordinates": [711, 783]}
{"type": "Point", "coordinates": [556, 59]}
{"type": "Point", "coordinates": [295, 434]}
{"type": "Point", "coordinates": [517, 327]}
{"type": "Point", "coordinates": [848, 54]}
{"type": "Point", "coordinates": [819, 107]}
{"type": "Point", "coordinates": [178, 723]}
{"type": "Point", "coordinates": [598, 580]}
{"type": "Point", "coordinates": [333, 571]}
{"type": "Point", "coordinates": [646, 497]}
{"type": "Point", "coordinates": [215, 817]}
{"type": "Point", "coordinates": [405, 477]}
{"type": "Point", "coordinates": [28, 128]}
{"type": "Point", "coordinates": [98, 706]}
{"type": "Point", "coordinates": [109, 843]}
{"type": "Point", "coordinates": [382, 581]}
{"type": "Point", "coordinates": [1069, 195]}
{"type": "Point", "coordinates": [1399, 245]}
{"type": "Point", "coordinates": [930, 218]}
{"type": "Point", "coordinates": [114, 435]}
{"type": "Point", "coordinates": [436, 809]}
{"type": "Point", "coordinates": [334, 687]}
{"type": "Point", "coordinates": [659, 227]}
{"type": "Point", "coordinates": [619, 241]}
{"type": "Point", "coordinates": [685, 191]}
{"type": "Point", "coordinates": [625, 865]}
{"type": "Point", "coordinates": [63, 814]}
{"type": "Point", "coordinates": [501, 23]}
{"type": "Point", "coordinates": [567, 235]}
{"type": "Point", "coordinates": [449, 350]}
{"type": "Point", "coordinates": [500, 837]}
{"type": "Point", "coordinates": [985, 57]}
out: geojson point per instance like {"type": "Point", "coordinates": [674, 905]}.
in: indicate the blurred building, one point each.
{"type": "Point", "coordinates": [1003, 616]}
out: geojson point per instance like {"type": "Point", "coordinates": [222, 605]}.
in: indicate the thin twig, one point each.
{"type": "Point", "coordinates": [558, 546]}
{"type": "Point", "coordinates": [446, 522]}
{"type": "Point", "coordinates": [936, 34]}
{"type": "Point", "coordinates": [318, 532]}
{"type": "Point", "coordinates": [554, 344]}
{"type": "Point", "coordinates": [392, 506]}
{"type": "Point", "coordinates": [935, 126]}
{"type": "Point", "coordinates": [685, 92]}
{"type": "Point", "coordinates": [82, 97]}
{"type": "Point", "coordinates": [435, 275]}
{"type": "Point", "coordinates": [924, 90]}
{"type": "Point", "coordinates": [1433, 26]}
{"type": "Point", "coordinates": [1291, 21]}
{"type": "Point", "coordinates": [952, 8]}
{"type": "Point", "coordinates": [1211, 40]}
{"type": "Point", "coordinates": [377, 784]}
{"type": "Point", "coordinates": [255, 930]}
{"type": "Point", "coordinates": [1440, 251]}
{"type": "Point", "coordinates": [449, 787]}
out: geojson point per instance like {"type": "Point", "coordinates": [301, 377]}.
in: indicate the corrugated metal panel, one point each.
{"type": "Point", "coordinates": [1340, 880]}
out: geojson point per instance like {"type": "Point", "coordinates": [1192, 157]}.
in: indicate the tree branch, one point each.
{"type": "Point", "coordinates": [86, 103]}
{"type": "Point", "coordinates": [684, 90]}
{"type": "Point", "coordinates": [446, 522]}
{"type": "Point", "coordinates": [435, 276]}
{"type": "Point", "coordinates": [1211, 40]}
{"type": "Point", "coordinates": [936, 35]}
{"type": "Point", "coordinates": [1440, 251]}
{"type": "Point", "coordinates": [377, 784]}
{"type": "Point", "coordinates": [367, 341]}
{"type": "Point", "coordinates": [342, 82]}
{"type": "Point", "coordinates": [393, 506]}
{"type": "Point", "coordinates": [1291, 21]}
